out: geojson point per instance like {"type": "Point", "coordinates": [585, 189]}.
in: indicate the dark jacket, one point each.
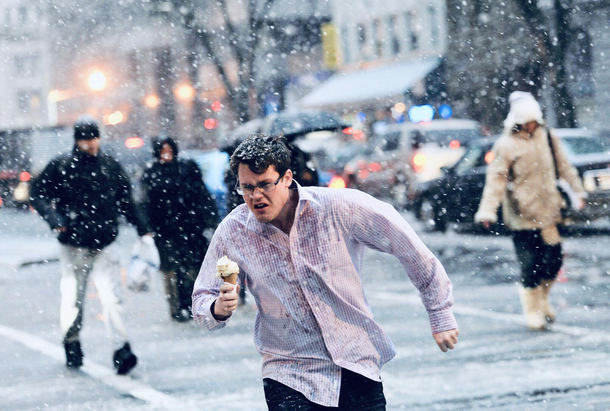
{"type": "Point", "coordinates": [86, 195]}
{"type": "Point", "coordinates": [179, 208]}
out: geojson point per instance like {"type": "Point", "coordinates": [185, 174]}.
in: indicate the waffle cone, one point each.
{"type": "Point", "coordinates": [232, 278]}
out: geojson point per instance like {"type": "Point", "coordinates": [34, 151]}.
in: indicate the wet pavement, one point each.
{"type": "Point", "coordinates": [497, 365]}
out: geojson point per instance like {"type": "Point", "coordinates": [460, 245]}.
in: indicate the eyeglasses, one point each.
{"type": "Point", "coordinates": [262, 187]}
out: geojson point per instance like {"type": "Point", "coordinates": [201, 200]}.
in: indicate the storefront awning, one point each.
{"type": "Point", "coordinates": [364, 85]}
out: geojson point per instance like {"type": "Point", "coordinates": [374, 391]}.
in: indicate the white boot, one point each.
{"type": "Point", "coordinates": [547, 308]}
{"type": "Point", "coordinates": [531, 301]}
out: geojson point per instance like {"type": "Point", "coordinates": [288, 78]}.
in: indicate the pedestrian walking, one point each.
{"type": "Point", "coordinates": [81, 196]}
{"type": "Point", "coordinates": [301, 250]}
{"type": "Point", "coordinates": [180, 209]}
{"type": "Point", "coordinates": [523, 178]}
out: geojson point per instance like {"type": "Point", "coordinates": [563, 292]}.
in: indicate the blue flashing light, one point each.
{"type": "Point", "coordinates": [445, 111]}
{"type": "Point", "coordinates": [361, 117]}
{"type": "Point", "coordinates": [418, 114]}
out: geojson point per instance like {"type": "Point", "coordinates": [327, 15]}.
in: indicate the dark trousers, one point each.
{"type": "Point", "coordinates": [539, 261]}
{"type": "Point", "coordinates": [358, 393]}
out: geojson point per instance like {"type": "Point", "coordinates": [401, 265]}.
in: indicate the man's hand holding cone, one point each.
{"type": "Point", "coordinates": [229, 290]}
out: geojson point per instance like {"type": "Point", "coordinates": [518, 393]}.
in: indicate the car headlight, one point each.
{"type": "Point", "coordinates": [22, 192]}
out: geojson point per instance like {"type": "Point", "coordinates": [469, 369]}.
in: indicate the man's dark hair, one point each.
{"type": "Point", "coordinates": [260, 151]}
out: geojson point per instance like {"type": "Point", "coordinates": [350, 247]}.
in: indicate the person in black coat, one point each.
{"type": "Point", "coordinates": [179, 208]}
{"type": "Point", "coordinates": [81, 195]}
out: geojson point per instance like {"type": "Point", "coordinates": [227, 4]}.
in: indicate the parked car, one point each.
{"type": "Point", "coordinates": [213, 165]}
{"type": "Point", "coordinates": [455, 197]}
{"type": "Point", "coordinates": [23, 155]}
{"type": "Point", "coordinates": [408, 153]}
{"type": "Point", "coordinates": [331, 161]}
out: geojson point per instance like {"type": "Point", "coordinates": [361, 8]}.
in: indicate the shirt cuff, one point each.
{"type": "Point", "coordinates": [442, 320]}
{"type": "Point", "coordinates": [203, 316]}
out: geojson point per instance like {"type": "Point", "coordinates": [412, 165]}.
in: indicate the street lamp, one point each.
{"type": "Point", "coordinates": [97, 81]}
{"type": "Point", "coordinates": [185, 92]}
{"type": "Point", "coordinates": [152, 101]}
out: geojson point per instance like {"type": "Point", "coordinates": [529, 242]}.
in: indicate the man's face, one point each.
{"type": "Point", "coordinates": [265, 206]}
{"type": "Point", "coordinates": [91, 147]}
{"type": "Point", "coordinates": [167, 154]}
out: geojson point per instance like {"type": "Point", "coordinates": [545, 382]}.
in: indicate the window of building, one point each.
{"type": "Point", "coordinates": [26, 65]}
{"type": "Point", "coordinates": [393, 41]}
{"type": "Point", "coordinates": [135, 70]}
{"type": "Point", "coordinates": [7, 17]}
{"type": "Point", "coordinates": [378, 37]}
{"type": "Point", "coordinates": [345, 39]}
{"type": "Point", "coordinates": [580, 65]}
{"type": "Point", "coordinates": [361, 32]}
{"type": "Point", "coordinates": [410, 31]}
{"type": "Point", "coordinates": [23, 14]}
{"type": "Point", "coordinates": [434, 29]}
{"type": "Point", "coordinates": [29, 101]}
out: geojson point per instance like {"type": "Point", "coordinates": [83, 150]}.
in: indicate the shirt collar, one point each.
{"type": "Point", "coordinates": [304, 194]}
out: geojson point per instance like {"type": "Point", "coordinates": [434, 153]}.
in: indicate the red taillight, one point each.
{"type": "Point", "coordinates": [454, 145]}
{"type": "Point", "coordinates": [358, 134]}
{"type": "Point", "coordinates": [24, 176]}
{"type": "Point", "coordinates": [210, 123]}
{"type": "Point", "coordinates": [134, 142]}
{"type": "Point", "coordinates": [489, 157]}
{"type": "Point", "coordinates": [348, 130]}
{"type": "Point", "coordinates": [363, 174]}
{"type": "Point", "coordinates": [375, 167]}
{"type": "Point", "coordinates": [337, 182]}
{"type": "Point", "coordinates": [419, 160]}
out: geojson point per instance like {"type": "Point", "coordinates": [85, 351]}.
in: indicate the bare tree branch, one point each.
{"type": "Point", "coordinates": [233, 43]}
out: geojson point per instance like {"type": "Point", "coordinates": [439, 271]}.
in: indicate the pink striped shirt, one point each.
{"type": "Point", "coordinates": [313, 317]}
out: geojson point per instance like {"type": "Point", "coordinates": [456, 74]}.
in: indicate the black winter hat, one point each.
{"type": "Point", "coordinates": [86, 128]}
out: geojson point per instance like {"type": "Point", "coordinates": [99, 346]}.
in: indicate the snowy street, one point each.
{"type": "Point", "coordinates": [498, 364]}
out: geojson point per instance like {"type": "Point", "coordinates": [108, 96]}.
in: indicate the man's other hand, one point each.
{"type": "Point", "coordinates": [447, 340]}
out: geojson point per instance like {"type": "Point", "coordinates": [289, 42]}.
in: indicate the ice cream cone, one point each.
{"type": "Point", "coordinates": [232, 278]}
{"type": "Point", "coordinates": [227, 270]}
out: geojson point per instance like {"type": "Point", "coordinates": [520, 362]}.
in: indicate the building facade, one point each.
{"type": "Point", "coordinates": [372, 33]}
{"type": "Point", "coordinates": [591, 64]}
{"type": "Point", "coordinates": [24, 62]}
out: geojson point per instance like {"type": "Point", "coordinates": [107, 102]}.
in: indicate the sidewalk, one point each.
{"type": "Point", "coordinates": [19, 251]}
{"type": "Point", "coordinates": [25, 239]}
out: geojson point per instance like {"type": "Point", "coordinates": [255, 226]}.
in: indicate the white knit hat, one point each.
{"type": "Point", "coordinates": [523, 109]}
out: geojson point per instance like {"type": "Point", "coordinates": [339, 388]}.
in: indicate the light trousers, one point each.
{"type": "Point", "coordinates": [78, 265]}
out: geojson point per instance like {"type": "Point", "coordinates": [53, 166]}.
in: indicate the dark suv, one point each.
{"type": "Point", "coordinates": [455, 197]}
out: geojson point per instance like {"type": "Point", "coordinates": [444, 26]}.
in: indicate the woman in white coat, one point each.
{"type": "Point", "coordinates": [522, 177]}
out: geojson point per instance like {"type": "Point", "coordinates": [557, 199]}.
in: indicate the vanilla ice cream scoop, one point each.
{"type": "Point", "coordinates": [227, 270]}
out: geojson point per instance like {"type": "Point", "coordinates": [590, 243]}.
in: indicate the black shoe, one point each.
{"type": "Point", "coordinates": [74, 354]}
{"type": "Point", "coordinates": [124, 360]}
{"type": "Point", "coordinates": [183, 316]}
